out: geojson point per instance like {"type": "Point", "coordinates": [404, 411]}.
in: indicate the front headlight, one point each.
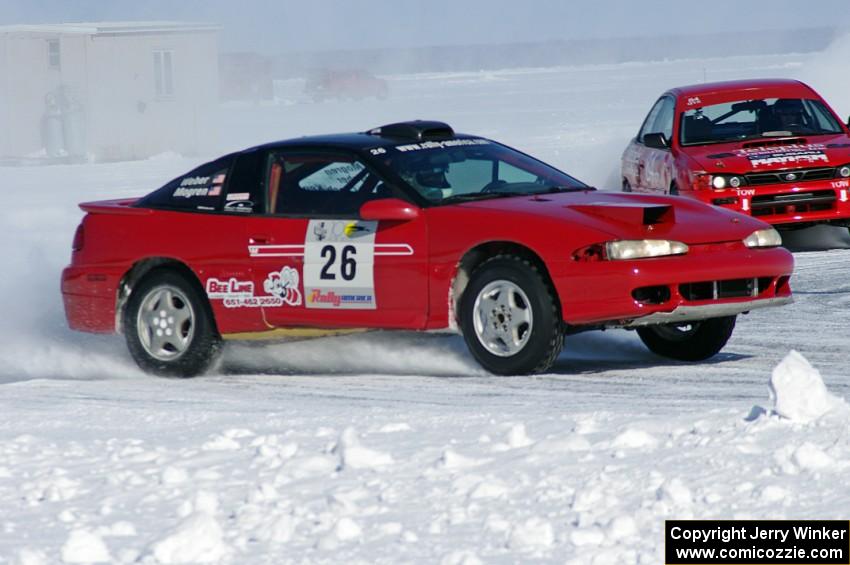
{"type": "Point", "coordinates": [643, 248]}
{"type": "Point", "coordinates": [767, 237]}
{"type": "Point", "coordinates": [719, 182]}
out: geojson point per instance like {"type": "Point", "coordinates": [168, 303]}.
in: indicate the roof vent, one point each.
{"type": "Point", "coordinates": [419, 130]}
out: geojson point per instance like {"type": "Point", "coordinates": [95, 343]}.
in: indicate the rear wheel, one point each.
{"type": "Point", "coordinates": [509, 317]}
{"type": "Point", "coordinates": [168, 326]}
{"type": "Point", "coordinates": [691, 341]}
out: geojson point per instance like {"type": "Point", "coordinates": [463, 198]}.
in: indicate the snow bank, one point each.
{"type": "Point", "coordinates": [798, 392]}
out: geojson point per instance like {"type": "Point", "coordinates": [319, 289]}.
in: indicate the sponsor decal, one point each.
{"type": "Point", "coordinates": [217, 289]}
{"type": "Point", "coordinates": [841, 184]}
{"type": "Point", "coordinates": [239, 206]}
{"type": "Point", "coordinates": [694, 101]}
{"type": "Point", "coordinates": [239, 196]}
{"type": "Point", "coordinates": [377, 151]}
{"type": "Point", "coordinates": [789, 155]}
{"type": "Point", "coordinates": [319, 299]}
{"type": "Point", "coordinates": [281, 288]}
{"type": "Point", "coordinates": [440, 144]}
{"type": "Point", "coordinates": [284, 284]}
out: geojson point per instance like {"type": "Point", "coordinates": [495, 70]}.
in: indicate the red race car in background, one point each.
{"type": "Point", "coordinates": [772, 149]}
{"type": "Point", "coordinates": [411, 226]}
{"type": "Point", "coordinates": [345, 84]}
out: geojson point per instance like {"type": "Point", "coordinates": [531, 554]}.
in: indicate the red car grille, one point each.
{"type": "Point", "coordinates": [793, 203]}
{"type": "Point", "coordinates": [756, 287]}
{"type": "Point", "coordinates": [714, 290]}
{"type": "Point", "coordinates": [800, 175]}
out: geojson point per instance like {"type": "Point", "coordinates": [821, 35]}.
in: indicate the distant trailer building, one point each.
{"type": "Point", "coordinates": [108, 91]}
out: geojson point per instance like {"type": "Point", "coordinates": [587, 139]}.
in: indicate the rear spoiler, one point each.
{"type": "Point", "coordinates": [122, 206]}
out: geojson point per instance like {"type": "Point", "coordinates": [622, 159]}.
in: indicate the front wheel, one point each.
{"type": "Point", "coordinates": [691, 341]}
{"type": "Point", "coordinates": [510, 318]}
{"type": "Point", "coordinates": [169, 328]}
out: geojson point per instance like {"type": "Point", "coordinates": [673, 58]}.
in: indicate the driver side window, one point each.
{"type": "Point", "coordinates": [320, 184]}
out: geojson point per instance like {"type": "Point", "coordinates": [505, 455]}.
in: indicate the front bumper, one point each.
{"type": "Point", "coordinates": [712, 280]}
{"type": "Point", "coordinates": [687, 313]}
{"type": "Point", "coordinates": [815, 202]}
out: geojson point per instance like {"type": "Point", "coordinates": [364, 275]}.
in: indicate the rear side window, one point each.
{"type": "Point", "coordinates": [201, 189]}
{"type": "Point", "coordinates": [320, 184]}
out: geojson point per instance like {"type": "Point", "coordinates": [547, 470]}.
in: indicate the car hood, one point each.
{"type": "Point", "coordinates": [628, 216]}
{"type": "Point", "coordinates": [770, 154]}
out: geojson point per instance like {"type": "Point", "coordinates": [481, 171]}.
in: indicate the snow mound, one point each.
{"type": "Point", "coordinates": [197, 539]}
{"type": "Point", "coordinates": [634, 438]}
{"type": "Point", "coordinates": [798, 392]}
{"type": "Point", "coordinates": [810, 456]}
{"type": "Point", "coordinates": [85, 547]}
{"type": "Point", "coordinates": [352, 455]}
{"type": "Point", "coordinates": [534, 533]}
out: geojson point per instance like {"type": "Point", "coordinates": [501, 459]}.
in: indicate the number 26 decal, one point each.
{"type": "Point", "coordinates": [347, 263]}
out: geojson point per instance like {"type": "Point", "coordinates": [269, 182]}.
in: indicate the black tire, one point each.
{"type": "Point", "coordinates": [702, 340]}
{"type": "Point", "coordinates": [626, 186]}
{"type": "Point", "coordinates": [543, 337]}
{"type": "Point", "coordinates": [198, 341]}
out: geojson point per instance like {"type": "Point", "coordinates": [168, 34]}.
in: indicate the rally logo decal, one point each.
{"type": "Point", "coordinates": [789, 155]}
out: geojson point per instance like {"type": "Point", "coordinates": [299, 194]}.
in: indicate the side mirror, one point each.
{"type": "Point", "coordinates": [389, 209]}
{"type": "Point", "coordinates": [655, 141]}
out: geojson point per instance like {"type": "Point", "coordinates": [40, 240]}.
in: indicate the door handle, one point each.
{"type": "Point", "coordinates": [259, 240]}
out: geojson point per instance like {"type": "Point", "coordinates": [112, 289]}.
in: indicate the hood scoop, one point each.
{"type": "Point", "coordinates": [775, 143]}
{"type": "Point", "coordinates": [642, 214]}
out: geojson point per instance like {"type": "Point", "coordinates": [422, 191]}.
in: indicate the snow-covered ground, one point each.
{"type": "Point", "coordinates": [397, 448]}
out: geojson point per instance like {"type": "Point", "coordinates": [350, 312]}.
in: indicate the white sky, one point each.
{"type": "Point", "coordinates": [286, 25]}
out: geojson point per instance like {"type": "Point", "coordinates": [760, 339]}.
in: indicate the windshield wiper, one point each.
{"type": "Point", "coordinates": [564, 188]}
{"type": "Point", "coordinates": [476, 196]}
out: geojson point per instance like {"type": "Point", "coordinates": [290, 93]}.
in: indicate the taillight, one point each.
{"type": "Point", "coordinates": [79, 238]}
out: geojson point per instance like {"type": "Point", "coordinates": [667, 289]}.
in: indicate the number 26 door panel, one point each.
{"type": "Point", "coordinates": [340, 272]}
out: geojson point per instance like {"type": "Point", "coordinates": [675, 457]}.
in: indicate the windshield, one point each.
{"type": "Point", "coordinates": [747, 119]}
{"type": "Point", "coordinates": [471, 169]}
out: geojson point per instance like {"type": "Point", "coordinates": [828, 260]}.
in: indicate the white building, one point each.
{"type": "Point", "coordinates": [111, 91]}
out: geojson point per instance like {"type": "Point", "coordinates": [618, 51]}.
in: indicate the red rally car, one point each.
{"type": "Point", "coordinates": [772, 149]}
{"type": "Point", "coordinates": [411, 226]}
